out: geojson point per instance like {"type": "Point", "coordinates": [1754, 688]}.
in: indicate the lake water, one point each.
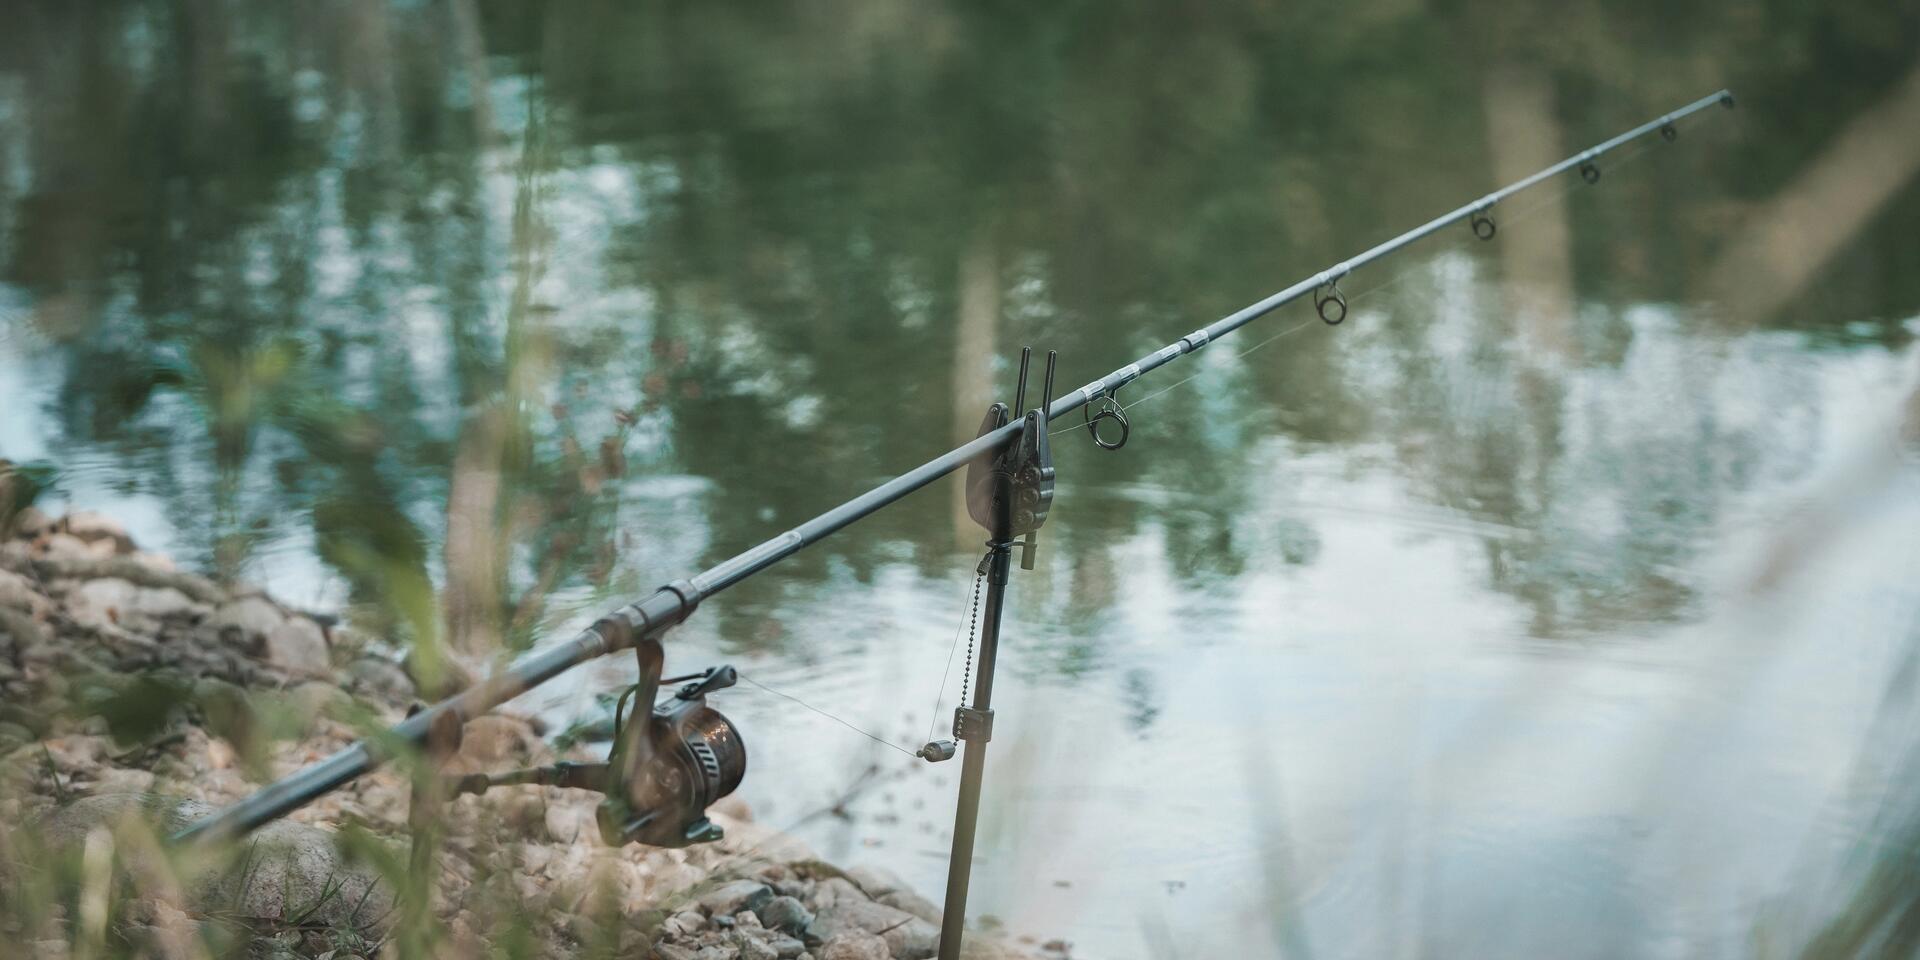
{"type": "Point", "coordinates": [1558, 603]}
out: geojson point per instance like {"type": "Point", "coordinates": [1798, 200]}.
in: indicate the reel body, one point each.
{"type": "Point", "coordinates": [693, 756]}
{"type": "Point", "coordinates": [667, 766]}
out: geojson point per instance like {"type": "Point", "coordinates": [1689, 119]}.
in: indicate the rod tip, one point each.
{"type": "Point", "coordinates": [1726, 99]}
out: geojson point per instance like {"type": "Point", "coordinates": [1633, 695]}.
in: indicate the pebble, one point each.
{"type": "Point", "coordinates": [731, 898]}
{"type": "Point", "coordinates": [855, 946]}
{"type": "Point", "coordinates": [246, 621]}
{"type": "Point", "coordinates": [12, 737]}
{"type": "Point", "coordinates": [754, 948]}
{"type": "Point", "coordinates": [31, 522]}
{"type": "Point", "coordinates": [381, 678]}
{"type": "Point", "coordinates": [876, 882]}
{"type": "Point", "coordinates": [299, 645]}
{"type": "Point", "coordinates": [96, 528]}
{"type": "Point", "coordinates": [685, 923]}
{"type": "Point", "coordinates": [785, 914]}
{"type": "Point", "coordinates": [17, 592]}
{"type": "Point", "coordinates": [66, 546]}
{"type": "Point", "coordinates": [906, 935]}
{"type": "Point", "coordinates": [110, 602]}
{"type": "Point", "coordinates": [912, 903]}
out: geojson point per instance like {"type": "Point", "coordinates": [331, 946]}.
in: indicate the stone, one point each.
{"type": "Point", "coordinates": [752, 947]}
{"type": "Point", "coordinates": [245, 622]}
{"type": "Point", "coordinates": [787, 948]}
{"type": "Point", "coordinates": [684, 923]}
{"type": "Point", "coordinates": [912, 903]}
{"type": "Point", "coordinates": [34, 720]}
{"type": "Point", "coordinates": [157, 603]}
{"type": "Point", "coordinates": [298, 645]}
{"type": "Point", "coordinates": [380, 678]}
{"type": "Point", "coordinates": [310, 881]}
{"type": "Point", "coordinates": [980, 948]}
{"type": "Point", "coordinates": [66, 546]}
{"type": "Point", "coordinates": [906, 935]}
{"type": "Point", "coordinates": [835, 889]}
{"type": "Point", "coordinates": [95, 528]}
{"type": "Point", "coordinates": [735, 896]}
{"type": "Point", "coordinates": [112, 602]}
{"type": "Point", "coordinates": [122, 780]}
{"type": "Point", "coordinates": [785, 914]}
{"type": "Point", "coordinates": [31, 522]}
{"type": "Point", "coordinates": [161, 929]}
{"type": "Point", "coordinates": [672, 951]}
{"type": "Point", "coordinates": [13, 735]}
{"type": "Point", "coordinates": [568, 822]}
{"type": "Point", "coordinates": [876, 881]}
{"type": "Point", "coordinates": [913, 940]}
{"type": "Point", "coordinates": [855, 946]}
{"type": "Point", "coordinates": [19, 593]}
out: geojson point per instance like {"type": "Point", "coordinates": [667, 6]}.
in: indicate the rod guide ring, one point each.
{"type": "Point", "coordinates": [1483, 225]}
{"type": "Point", "coordinates": [1109, 409]}
{"type": "Point", "coordinates": [1330, 303]}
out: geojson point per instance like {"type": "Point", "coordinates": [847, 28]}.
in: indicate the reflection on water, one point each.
{"type": "Point", "coordinates": [1557, 604]}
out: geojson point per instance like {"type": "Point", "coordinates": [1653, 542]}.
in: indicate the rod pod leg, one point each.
{"type": "Point", "coordinates": [974, 726]}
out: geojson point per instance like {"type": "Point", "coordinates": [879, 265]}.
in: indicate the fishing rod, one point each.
{"type": "Point", "coordinates": [669, 764]}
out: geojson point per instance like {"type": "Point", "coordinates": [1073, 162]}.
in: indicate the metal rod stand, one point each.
{"type": "Point", "coordinates": [975, 728]}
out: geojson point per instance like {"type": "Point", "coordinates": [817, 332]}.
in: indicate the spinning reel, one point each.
{"type": "Point", "coordinates": [666, 767]}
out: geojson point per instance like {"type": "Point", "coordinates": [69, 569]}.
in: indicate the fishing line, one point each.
{"type": "Point", "coordinates": [876, 738]}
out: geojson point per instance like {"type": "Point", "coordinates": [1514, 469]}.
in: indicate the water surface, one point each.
{"type": "Point", "coordinates": [1558, 603]}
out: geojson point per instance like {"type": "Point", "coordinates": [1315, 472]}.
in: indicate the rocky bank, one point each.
{"type": "Point", "coordinates": [131, 687]}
